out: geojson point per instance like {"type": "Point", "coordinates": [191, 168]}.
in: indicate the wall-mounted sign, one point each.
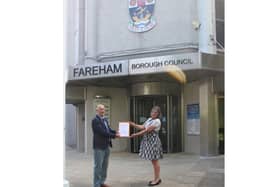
{"type": "Point", "coordinates": [149, 65]}
{"type": "Point", "coordinates": [158, 64]}
{"type": "Point", "coordinates": [108, 69]}
{"type": "Point", "coordinates": [141, 15]}
{"type": "Point", "coordinates": [193, 119]}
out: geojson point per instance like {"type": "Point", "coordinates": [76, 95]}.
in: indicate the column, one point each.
{"type": "Point", "coordinates": [88, 118]}
{"type": "Point", "coordinates": [81, 127]}
{"type": "Point", "coordinates": [81, 31]}
{"type": "Point", "coordinates": [208, 126]}
{"type": "Point", "coordinates": [91, 31]}
{"type": "Point", "coordinates": [207, 30]}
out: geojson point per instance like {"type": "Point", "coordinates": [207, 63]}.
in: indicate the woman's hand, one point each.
{"type": "Point", "coordinates": [132, 124]}
{"type": "Point", "coordinates": [132, 136]}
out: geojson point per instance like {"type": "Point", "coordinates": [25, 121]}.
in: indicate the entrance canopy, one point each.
{"type": "Point", "coordinates": [124, 81]}
{"type": "Point", "coordinates": [122, 73]}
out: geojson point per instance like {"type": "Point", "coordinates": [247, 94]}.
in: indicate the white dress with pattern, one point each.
{"type": "Point", "coordinates": [151, 147]}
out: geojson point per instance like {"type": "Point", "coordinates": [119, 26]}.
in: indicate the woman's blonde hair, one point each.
{"type": "Point", "coordinates": [157, 109]}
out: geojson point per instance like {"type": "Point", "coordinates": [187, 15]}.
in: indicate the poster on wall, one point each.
{"type": "Point", "coordinates": [107, 104]}
{"type": "Point", "coordinates": [193, 119]}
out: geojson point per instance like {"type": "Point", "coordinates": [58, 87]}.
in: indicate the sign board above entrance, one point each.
{"type": "Point", "coordinates": [134, 66]}
{"type": "Point", "coordinates": [158, 64]}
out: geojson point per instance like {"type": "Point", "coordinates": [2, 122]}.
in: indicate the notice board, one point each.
{"type": "Point", "coordinates": [193, 119]}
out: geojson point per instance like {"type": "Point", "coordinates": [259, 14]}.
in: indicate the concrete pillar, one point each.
{"type": "Point", "coordinates": [91, 31]}
{"type": "Point", "coordinates": [207, 29]}
{"type": "Point", "coordinates": [81, 128]}
{"type": "Point", "coordinates": [81, 31]}
{"type": "Point", "coordinates": [208, 126]}
{"type": "Point", "coordinates": [88, 118]}
{"type": "Point", "coordinates": [70, 13]}
{"type": "Point", "coordinates": [70, 131]}
{"type": "Point", "coordinates": [192, 142]}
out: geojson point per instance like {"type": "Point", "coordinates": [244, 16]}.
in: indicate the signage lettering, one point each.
{"type": "Point", "coordinates": [97, 70]}
{"type": "Point", "coordinates": [146, 65]}
{"type": "Point", "coordinates": [162, 63]}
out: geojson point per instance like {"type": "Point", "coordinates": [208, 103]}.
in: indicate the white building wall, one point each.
{"type": "Point", "coordinates": [71, 32]}
{"type": "Point", "coordinates": [97, 27]}
{"type": "Point", "coordinates": [174, 25]}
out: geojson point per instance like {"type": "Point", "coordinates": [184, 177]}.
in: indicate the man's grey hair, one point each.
{"type": "Point", "coordinates": [99, 106]}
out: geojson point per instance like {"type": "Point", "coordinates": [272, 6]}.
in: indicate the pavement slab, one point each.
{"type": "Point", "coordinates": [128, 170]}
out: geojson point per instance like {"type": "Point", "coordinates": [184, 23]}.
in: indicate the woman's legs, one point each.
{"type": "Point", "coordinates": [156, 167]}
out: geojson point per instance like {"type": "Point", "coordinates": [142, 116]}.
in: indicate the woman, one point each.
{"type": "Point", "coordinates": [150, 147]}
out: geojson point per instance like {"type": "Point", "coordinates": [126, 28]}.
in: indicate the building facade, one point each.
{"type": "Point", "coordinates": [118, 53]}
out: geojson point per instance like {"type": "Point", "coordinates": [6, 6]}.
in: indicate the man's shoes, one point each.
{"type": "Point", "coordinates": [104, 185]}
{"type": "Point", "coordinates": [154, 184]}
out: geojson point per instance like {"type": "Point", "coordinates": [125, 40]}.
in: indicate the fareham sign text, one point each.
{"type": "Point", "coordinates": [108, 69]}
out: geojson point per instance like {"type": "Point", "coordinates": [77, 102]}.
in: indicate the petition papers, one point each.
{"type": "Point", "coordinates": [124, 129]}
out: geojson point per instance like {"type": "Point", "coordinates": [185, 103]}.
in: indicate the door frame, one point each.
{"type": "Point", "coordinates": [218, 122]}
{"type": "Point", "coordinates": [168, 137]}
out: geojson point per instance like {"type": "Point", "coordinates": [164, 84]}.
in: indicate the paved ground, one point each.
{"type": "Point", "coordinates": [128, 170]}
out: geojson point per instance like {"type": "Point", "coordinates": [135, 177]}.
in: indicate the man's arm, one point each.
{"type": "Point", "coordinates": [96, 127]}
{"type": "Point", "coordinates": [112, 131]}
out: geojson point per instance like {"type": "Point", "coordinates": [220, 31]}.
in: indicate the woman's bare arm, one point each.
{"type": "Point", "coordinates": [142, 132]}
{"type": "Point", "coordinates": [139, 127]}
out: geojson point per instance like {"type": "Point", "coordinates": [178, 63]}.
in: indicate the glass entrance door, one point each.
{"type": "Point", "coordinates": [170, 132]}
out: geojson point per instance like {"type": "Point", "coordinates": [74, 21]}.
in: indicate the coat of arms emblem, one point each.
{"type": "Point", "coordinates": [141, 15]}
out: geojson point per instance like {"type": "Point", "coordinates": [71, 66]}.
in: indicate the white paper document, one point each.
{"type": "Point", "coordinates": [124, 129]}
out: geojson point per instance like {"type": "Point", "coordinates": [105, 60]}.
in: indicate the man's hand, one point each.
{"type": "Point", "coordinates": [118, 135]}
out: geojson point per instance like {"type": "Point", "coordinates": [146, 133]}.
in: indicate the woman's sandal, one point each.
{"type": "Point", "coordinates": [151, 184]}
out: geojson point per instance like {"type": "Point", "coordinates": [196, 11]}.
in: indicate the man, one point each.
{"type": "Point", "coordinates": [102, 135]}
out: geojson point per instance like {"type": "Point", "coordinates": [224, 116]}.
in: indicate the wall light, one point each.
{"type": "Point", "coordinates": [196, 25]}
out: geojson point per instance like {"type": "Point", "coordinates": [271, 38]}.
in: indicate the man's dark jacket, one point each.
{"type": "Point", "coordinates": [101, 136]}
